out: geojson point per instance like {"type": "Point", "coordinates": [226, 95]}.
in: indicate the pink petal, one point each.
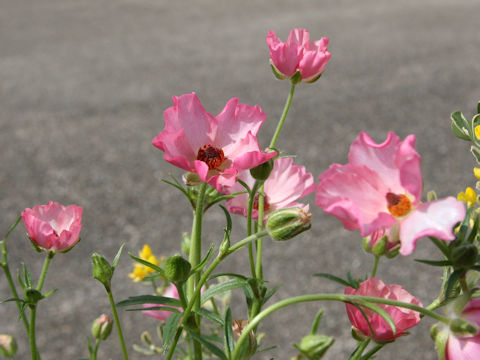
{"type": "Point", "coordinates": [175, 145]}
{"type": "Point", "coordinates": [284, 57]}
{"type": "Point", "coordinates": [313, 63]}
{"type": "Point", "coordinates": [356, 196]}
{"type": "Point", "coordinates": [466, 348]}
{"type": "Point", "coordinates": [397, 163]}
{"type": "Point", "coordinates": [299, 37]}
{"type": "Point", "coordinates": [435, 218]}
{"type": "Point", "coordinates": [236, 120]}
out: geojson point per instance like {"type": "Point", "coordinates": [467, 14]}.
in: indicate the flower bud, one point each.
{"type": "Point", "coordinates": [102, 270]}
{"type": "Point", "coordinates": [8, 345]}
{"type": "Point", "coordinates": [102, 327]}
{"type": "Point", "coordinates": [284, 224]}
{"type": "Point", "coordinates": [314, 346]}
{"type": "Point", "coordinates": [32, 296]}
{"type": "Point", "coordinates": [464, 256]}
{"type": "Point", "coordinates": [262, 171]}
{"type": "Point", "coordinates": [463, 328]}
{"type": "Point", "coordinates": [379, 244]}
{"type": "Point", "coordinates": [177, 269]}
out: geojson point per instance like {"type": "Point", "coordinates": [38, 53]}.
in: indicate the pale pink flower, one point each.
{"type": "Point", "coordinates": [286, 184]}
{"type": "Point", "coordinates": [465, 347]}
{"type": "Point", "coordinates": [53, 227]}
{"type": "Point", "coordinates": [298, 54]}
{"type": "Point", "coordinates": [380, 188]}
{"type": "Point", "coordinates": [216, 148]}
{"type": "Point", "coordinates": [162, 315]}
{"type": "Point", "coordinates": [403, 318]}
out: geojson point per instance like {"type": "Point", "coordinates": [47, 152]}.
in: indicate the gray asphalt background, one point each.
{"type": "Point", "coordinates": [83, 87]}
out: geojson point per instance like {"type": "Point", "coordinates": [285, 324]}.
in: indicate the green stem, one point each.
{"type": "Point", "coordinates": [354, 299]}
{"type": "Point", "coordinates": [43, 274]}
{"type": "Point", "coordinates": [117, 324]}
{"type": "Point", "coordinates": [95, 350]}
{"type": "Point", "coordinates": [283, 117]}
{"type": "Point", "coordinates": [373, 351]}
{"type": "Point", "coordinates": [361, 348]}
{"type": "Point", "coordinates": [463, 283]}
{"type": "Point", "coordinates": [251, 200]}
{"type": "Point", "coordinates": [31, 334]}
{"type": "Point", "coordinates": [203, 279]}
{"type": "Point", "coordinates": [375, 265]}
{"type": "Point", "coordinates": [8, 275]}
{"type": "Point", "coordinates": [195, 258]}
{"type": "Point", "coordinates": [181, 295]}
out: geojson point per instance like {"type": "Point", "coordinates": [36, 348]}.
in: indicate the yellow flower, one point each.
{"type": "Point", "coordinates": [476, 172]}
{"type": "Point", "coordinates": [139, 270]}
{"type": "Point", "coordinates": [468, 197]}
{"type": "Point", "coordinates": [477, 132]}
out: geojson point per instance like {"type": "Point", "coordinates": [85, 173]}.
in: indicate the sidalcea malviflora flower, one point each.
{"type": "Point", "coordinates": [465, 347]}
{"type": "Point", "coordinates": [403, 318]}
{"type": "Point", "coordinates": [216, 148]}
{"type": "Point", "coordinates": [53, 227]}
{"type": "Point", "coordinates": [286, 184]}
{"type": "Point", "coordinates": [298, 54]}
{"type": "Point", "coordinates": [379, 191]}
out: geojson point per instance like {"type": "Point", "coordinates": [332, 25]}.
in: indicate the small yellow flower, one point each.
{"type": "Point", "coordinates": [139, 270]}
{"type": "Point", "coordinates": [476, 172]}
{"type": "Point", "coordinates": [468, 197]}
{"type": "Point", "coordinates": [477, 132]}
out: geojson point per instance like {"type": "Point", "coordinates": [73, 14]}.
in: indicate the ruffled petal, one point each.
{"type": "Point", "coordinates": [435, 218]}
{"type": "Point", "coordinates": [283, 56]}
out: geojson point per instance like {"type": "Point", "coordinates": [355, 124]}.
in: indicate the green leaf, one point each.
{"type": "Point", "coordinates": [215, 350]}
{"type": "Point", "coordinates": [473, 232]}
{"type": "Point", "coordinates": [476, 153]}
{"type": "Point", "coordinates": [269, 294]}
{"type": "Point", "coordinates": [434, 262]}
{"type": "Point", "coordinates": [228, 333]}
{"type": "Point", "coordinates": [202, 264]}
{"type": "Point", "coordinates": [461, 126]}
{"type": "Point", "coordinates": [26, 276]}
{"type": "Point", "coordinates": [117, 257]}
{"type": "Point", "coordinates": [222, 287]}
{"type": "Point", "coordinates": [12, 227]}
{"type": "Point", "coordinates": [228, 275]}
{"type": "Point", "coordinates": [228, 229]}
{"type": "Point", "coordinates": [150, 299]}
{"type": "Point", "coordinates": [478, 107]}
{"type": "Point", "coordinates": [333, 278]}
{"type": "Point", "coordinates": [148, 264]}
{"type": "Point", "coordinates": [207, 314]}
{"type": "Point", "coordinates": [450, 288]}
{"type": "Point", "coordinates": [177, 185]}
{"type": "Point", "coordinates": [163, 308]}
{"type": "Point", "coordinates": [170, 329]}
{"type": "Point", "coordinates": [90, 347]}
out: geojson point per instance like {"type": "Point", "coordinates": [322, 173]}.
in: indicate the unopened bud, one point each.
{"type": "Point", "coordinates": [262, 171]}
{"type": "Point", "coordinates": [8, 345]}
{"type": "Point", "coordinates": [314, 346]}
{"type": "Point", "coordinates": [284, 224]}
{"type": "Point", "coordinates": [464, 256]}
{"type": "Point", "coordinates": [102, 270]}
{"type": "Point", "coordinates": [177, 269]}
{"type": "Point", "coordinates": [102, 327]}
{"type": "Point", "coordinates": [379, 244]}
{"type": "Point", "coordinates": [462, 327]}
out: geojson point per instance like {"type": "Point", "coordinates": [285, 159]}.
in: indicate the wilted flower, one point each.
{"type": "Point", "coordinates": [403, 318]}
{"type": "Point", "coordinates": [216, 148]}
{"type": "Point", "coordinates": [298, 54]}
{"type": "Point", "coordinates": [53, 227]}
{"type": "Point", "coordinates": [286, 184]}
{"type": "Point", "coordinates": [380, 189]}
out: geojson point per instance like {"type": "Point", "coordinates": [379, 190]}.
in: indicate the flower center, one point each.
{"type": "Point", "coordinates": [266, 205]}
{"type": "Point", "coordinates": [211, 155]}
{"type": "Point", "coordinates": [398, 205]}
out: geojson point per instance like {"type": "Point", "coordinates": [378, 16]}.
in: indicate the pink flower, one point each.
{"type": "Point", "coordinates": [286, 184]}
{"type": "Point", "coordinates": [298, 54]}
{"type": "Point", "coordinates": [216, 148]}
{"type": "Point", "coordinates": [379, 191]}
{"type": "Point", "coordinates": [162, 315]}
{"type": "Point", "coordinates": [465, 347]}
{"type": "Point", "coordinates": [403, 318]}
{"type": "Point", "coordinates": [53, 227]}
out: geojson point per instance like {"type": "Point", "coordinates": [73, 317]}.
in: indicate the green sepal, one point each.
{"type": "Point", "coordinates": [460, 126]}
{"type": "Point", "coordinates": [296, 78]}
{"type": "Point", "coordinates": [312, 80]}
{"type": "Point", "coordinates": [277, 73]}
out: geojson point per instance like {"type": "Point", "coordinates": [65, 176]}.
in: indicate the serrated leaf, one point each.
{"type": "Point", "coordinates": [215, 350]}
{"type": "Point", "coordinates": [333, 278]}
{"type": "Point", "coordinates": [202, 264]}
{"type": "Point", "coordinates": [434, 262]}
{"type": "Point", "coordinates": [150, 299]}
{"type": "Point", "coordinates": [117, 256]}
{"type": "Point", "coordinates": [148, 264]}
{"type": "Point", "coordinates": [228, 333]}
{"type": "Point", "coordinates": [170, 329]}
{"type": "Point", "coordinates": [222, 287]}
{"type": "Point", "coordinates": [207, 314]}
